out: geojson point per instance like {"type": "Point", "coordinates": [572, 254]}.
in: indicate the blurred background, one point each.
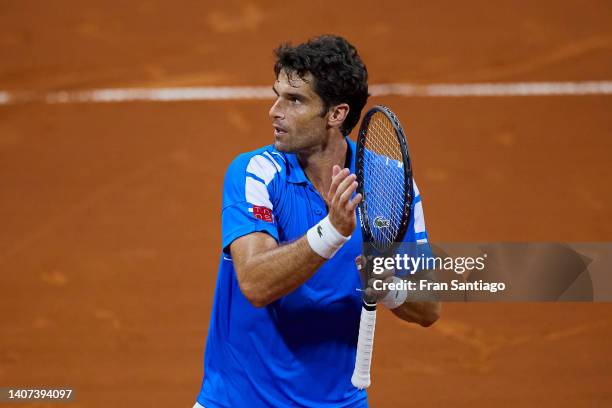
{"type": "Point", "coordinates": [110, 212]}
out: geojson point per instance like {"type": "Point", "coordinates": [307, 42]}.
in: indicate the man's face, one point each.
{"type": "Point", "coordinates": [296, 114]}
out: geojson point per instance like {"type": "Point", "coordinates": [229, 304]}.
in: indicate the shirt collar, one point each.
{"type": "Point", "coordinates": [296, 173]}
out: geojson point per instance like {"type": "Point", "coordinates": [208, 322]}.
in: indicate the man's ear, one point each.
{"type": "Point", "coordinates": [337, 115]}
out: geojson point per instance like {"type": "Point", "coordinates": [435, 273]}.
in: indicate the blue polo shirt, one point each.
{"type": "Point", "coordinates": [298, 351]}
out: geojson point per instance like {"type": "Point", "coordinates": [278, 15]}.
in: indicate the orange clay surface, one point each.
{"type": "Point", "coordinates": [110, 213]}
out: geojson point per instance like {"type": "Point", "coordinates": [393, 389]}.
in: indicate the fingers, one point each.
{"type": "Point", "coordinates": [382, 290]}
{"type": "Point", "coordinates": [337, 177]}
{"type": "Point", "coordinates": [376, 287]}
{"type": "Point", "coordinates": [335, 170]}
{"type": "Point", "coordinates": [360, 268]}
{"type": "Point", "coordinates": [354, 202]}
{"type": "Point", "coordinates": [379, 285]}
{"type": "Point", "coordinates": [346, 183]}
{"type": "Point", "coordinates": [341, 207]}
{"type": "Point", "coordinates": [370, 293]}
{"type": "Point", "coordinates": [343, 186]}
{"type": "Point", "coordinates": [358, 262]}
{"type": "Point", "coordinates": [348, 192]}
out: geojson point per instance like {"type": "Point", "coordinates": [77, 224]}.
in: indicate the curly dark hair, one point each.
{"type": "Point", "coordinates": [340, 76]}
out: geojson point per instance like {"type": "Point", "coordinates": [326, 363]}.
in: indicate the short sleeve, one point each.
{"type": "Point", "coordinates": [416, 229]}
{"type": "Point", "coordinates": [416, 243]}
{"type": "Point", "coordinates": [247, 206]}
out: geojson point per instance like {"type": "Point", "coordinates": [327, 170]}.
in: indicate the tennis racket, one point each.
{"type": "Point", "coordinates": [384, 177]}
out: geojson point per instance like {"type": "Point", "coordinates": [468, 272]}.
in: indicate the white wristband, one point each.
{"type": "Point", "coordinates": [394, 298]}
{"type": "Point", "coordinates": [324, 239]}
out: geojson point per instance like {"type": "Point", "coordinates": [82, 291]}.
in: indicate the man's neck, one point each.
{"type": "Point", "coordinates": [317, 165]}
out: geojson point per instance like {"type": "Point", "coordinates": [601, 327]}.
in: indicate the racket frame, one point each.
{"type": "Point", "coordinates": [365, 343]}
{"type": "Point", "coordinates": [407, 166]}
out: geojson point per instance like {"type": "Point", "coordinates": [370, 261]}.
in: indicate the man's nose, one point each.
{"type": "Point", "coordinates": [275, 110]}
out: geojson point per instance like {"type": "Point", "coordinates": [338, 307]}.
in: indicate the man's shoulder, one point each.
{"type": "Point", "coordinates": [268, 152]}
{"type": "Point", "coordinates": [263, 164]}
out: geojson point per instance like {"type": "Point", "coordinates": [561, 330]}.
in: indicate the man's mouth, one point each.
{"type": "Point", "coordinates": [279, 131]}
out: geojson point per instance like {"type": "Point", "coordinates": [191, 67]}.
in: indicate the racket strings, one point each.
{"type": "Point", "coordinates": [384, 180]}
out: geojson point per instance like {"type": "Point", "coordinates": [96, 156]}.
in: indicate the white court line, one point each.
{"type": "Point", "coordinates": [5, 98]}
{"type": "Point", "coordinates": [496, 89]}
{"type": "Point", "coordinates": [264, 92]}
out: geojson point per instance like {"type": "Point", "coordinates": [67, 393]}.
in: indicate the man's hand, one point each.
{"type": "Point", "coordinates": [424, 313]}
{"type": "Point", "coordinates": [341, 207]}
{"type": "Point", "coordinates": [372, 294]}
{"type": "Point", "coordinates": [267, 271]}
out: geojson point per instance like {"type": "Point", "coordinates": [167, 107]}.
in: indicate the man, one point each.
{"type": "Point", "coordinates": [285, 318]}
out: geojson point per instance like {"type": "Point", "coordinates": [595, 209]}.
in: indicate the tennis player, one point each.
{"type": "Point", "coordinates": [285, 318]}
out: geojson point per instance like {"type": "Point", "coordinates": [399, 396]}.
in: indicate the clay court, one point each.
{"type": "Point", "coordinates": [110, 212]}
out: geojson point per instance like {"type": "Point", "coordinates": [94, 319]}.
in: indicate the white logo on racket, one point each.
{"type": "Point", "coordinates": [380, 222]}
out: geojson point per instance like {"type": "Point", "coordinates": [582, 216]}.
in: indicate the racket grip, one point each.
{"type": "Point", "coordinates": [365, 346]}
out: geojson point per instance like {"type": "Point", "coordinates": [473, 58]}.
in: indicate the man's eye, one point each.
{"type": "Point", "coordinates": [293, 99]}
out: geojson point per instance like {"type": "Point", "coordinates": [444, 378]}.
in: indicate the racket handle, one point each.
{"type": "Point", "coordinates": [365, 346]}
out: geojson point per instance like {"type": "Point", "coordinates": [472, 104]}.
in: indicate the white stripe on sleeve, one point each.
{"type": "Point", "coordinates": [416, 189]}
{"type": "Point", "coordinates": [262, 168]}
{"type": "Point", "coordinates": [256, 193]}
{"type": "Point", "coordinates": [419, 218]}
{"type": "Point", "coordinates": [268, 155]}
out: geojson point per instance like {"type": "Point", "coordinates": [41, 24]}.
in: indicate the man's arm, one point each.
{"type": "Point", "coordinates": [423, 308]}
{"type": "Point", "coordinates": [267, 271]}
{"type": "Point", "coordinates": [422, 313]}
